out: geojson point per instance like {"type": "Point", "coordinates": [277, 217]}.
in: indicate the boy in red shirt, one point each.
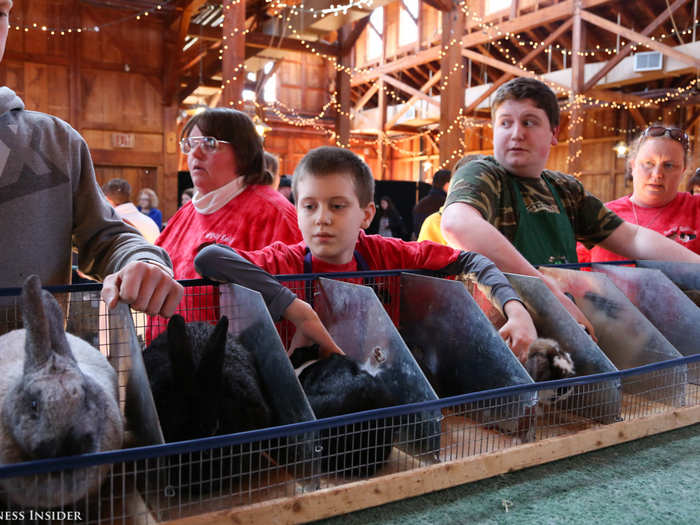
{"type": "Point", "coordinates": [334, 191]}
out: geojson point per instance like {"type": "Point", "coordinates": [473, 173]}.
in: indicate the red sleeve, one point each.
{"type": "Point", "coordinates": [278, 258]}
{"type": "Point", "coordinates": [388, 253]}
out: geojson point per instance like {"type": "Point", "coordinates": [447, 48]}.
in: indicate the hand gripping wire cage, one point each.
{"type": "Point", "coordinates": [429, 435]}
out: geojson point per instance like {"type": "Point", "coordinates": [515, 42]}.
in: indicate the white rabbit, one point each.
{"type": "Point", "coordinates": [58, 397]}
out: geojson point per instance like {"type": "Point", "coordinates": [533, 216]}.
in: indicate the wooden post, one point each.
{"type": "Point", "coordinates": [453, 86]}
{"type": "Point", "coordinates": [577, 81]}
{"type": "Point", "coordinates": [232, 70]}
{"type": "Point", "coordinates": [381, 150]}
{"type": "Point", "coordinates": [342, 83]}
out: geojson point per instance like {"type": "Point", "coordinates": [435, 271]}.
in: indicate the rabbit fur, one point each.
{"type": "Point", "coordinates": [336, 385]}
{"type": "Point", "coordinates": [58, 397]}
{"type": "Point", "coordinates": [204, 383]}
{"type": "Point", "coordinates": [546, 361]}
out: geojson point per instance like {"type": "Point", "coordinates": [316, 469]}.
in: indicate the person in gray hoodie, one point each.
{"type": "Point", "coordinates": [49, 200]}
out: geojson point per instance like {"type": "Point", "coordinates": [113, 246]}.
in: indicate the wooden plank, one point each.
{"type": "Point", "coordinates": [452, 89]}
{"type": "Point", "coordinates": [638, 37]}
{"type": "Point", "coordinates": [232, 70]}
{"type": "Point", "coordinates": [578, 62]}
{"type": "Point", "coordinates": [365, 98]}
{"type": "Point", "coordinates": [263, 40]}
{"type": "Point", "coordinates": [378, 491]}
{"type": "Point", "coordinates": [410, 90]}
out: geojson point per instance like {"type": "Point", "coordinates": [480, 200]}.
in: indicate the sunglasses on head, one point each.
{"type": "Point", "coordinates": [676, 134]}
{"type": "Point", "coordinates": [208, 144]}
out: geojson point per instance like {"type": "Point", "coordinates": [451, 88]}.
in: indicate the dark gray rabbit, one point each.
{"type": "Point", "coordinates": [204, 383]}
{"type": "Point", "coordinates": [58, 397]}
{"type": "Point", "coordinates": [334, 386]}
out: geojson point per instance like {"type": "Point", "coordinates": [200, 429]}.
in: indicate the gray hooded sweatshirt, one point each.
{"type": "Point", "coordinates": [49, 200]}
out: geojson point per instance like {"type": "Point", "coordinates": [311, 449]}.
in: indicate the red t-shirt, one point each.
{"type": "Point", "coordinates": [678, 220]}
{"type": "Point", "coordinates": [258, 216]}
{"type": "Point", "coordinates": [380, 253]}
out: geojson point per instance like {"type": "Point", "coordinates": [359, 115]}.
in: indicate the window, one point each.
{"type": "Point", "coordinates": [497, 5]}
{"type": "Point", "coordinates": [375, 30]}
{"type": "Point", "coordinates": [408, 22]}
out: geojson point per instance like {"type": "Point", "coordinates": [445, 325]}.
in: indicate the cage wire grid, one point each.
{"type": "Point", "coordinates": [175, 480]}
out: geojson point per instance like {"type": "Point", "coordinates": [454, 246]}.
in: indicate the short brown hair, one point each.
{"type": "Point", "coordinates": [528, 88]}
{"type": "Point", "coordinates": [118, 191]}
{"type": "Point", "coordinates": [237, 128]}
{"type": "Point", "coordinates": [331, 160]}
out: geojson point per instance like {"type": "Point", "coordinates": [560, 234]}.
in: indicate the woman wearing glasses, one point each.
{"type": "Point", "coordinates": [658, 159]}
{"type": "Point", "coordinates": [233, 203]}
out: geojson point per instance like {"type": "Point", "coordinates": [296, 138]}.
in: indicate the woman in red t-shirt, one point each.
{"type": "Point", "coordinates": [658, 159]}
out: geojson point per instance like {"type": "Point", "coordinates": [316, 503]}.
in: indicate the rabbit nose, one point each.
{"type": "Point", "coordinates": [70, 445]}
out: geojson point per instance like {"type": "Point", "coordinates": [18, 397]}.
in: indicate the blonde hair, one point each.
{"type": "Point", "coordinates": [152, 197]}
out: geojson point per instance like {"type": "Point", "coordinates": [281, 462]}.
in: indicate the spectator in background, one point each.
{"type": "Point", "coordinates": [186, 196]}
{"type": "Point", "coordinates": [118, 194]}
{"type": "Point", "coordinates": [390, 223]}
{"type": "Point", "coordinates": [430, 230]}
{"type": "Point", "coordinates": [433, 200]}
{"type": "Point", "coordinates": [148, 205]}
{"type": "Point", "coordinates": [285, 187]}
{"type": "Point", "coordinates": [657, 159]}
{"type": "Point", "coordinates": [272, 165]}
{"type": "Point", "coordinates": [693, 185]}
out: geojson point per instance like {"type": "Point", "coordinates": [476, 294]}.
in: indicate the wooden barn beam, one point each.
{"type": "Point", "coordinates": [342, 87]}
{"type": "Point", "coordinates": [381, 149]}
{"type": "Point", "coordinates": [264, 40]}
{"type": "Point", "coordinates": [523, 61]}
{"type": "Point", "coordinates": [627, 49]}
{"type": "Point", "coordinates": [232, 71]}
{"type": "Point", "coordinates": [638, 37]}
{"type": "Point", "coordinates": [638, 117]}
{"type": "Point", "coordinates": [365, 98]}
{"type": "Point", "coordinates": [528, 21]}
{"type": "Point", "coordinates": [410, 90]}
{"type": "Point", "coordinates": [454, 85]}
{"type": "Point", "coordinates": [692, 120]}
{"type": "Point", "coordinates": [578, 62]}
{"type": "Point", "coordinates": [430, 83]}
{"type": "Point", "coordinates": [349, 41]}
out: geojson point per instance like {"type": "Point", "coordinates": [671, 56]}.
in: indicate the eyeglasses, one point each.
{"type": "Point", "coordinates": [208, 144]}
{"type": "Point", "coordinates": [676, 134]}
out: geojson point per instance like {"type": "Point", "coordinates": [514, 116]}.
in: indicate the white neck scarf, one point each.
{"type": "Point", "coordinates": [216, 199]}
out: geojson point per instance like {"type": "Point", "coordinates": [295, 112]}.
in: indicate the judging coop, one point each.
{"type": "Point", "coordinates": [527, 140]}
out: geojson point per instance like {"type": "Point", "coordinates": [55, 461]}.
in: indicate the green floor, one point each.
{"type": "Point", "coordinates": [652, 480]}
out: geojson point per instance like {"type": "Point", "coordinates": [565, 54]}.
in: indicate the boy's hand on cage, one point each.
{"type": "Point", "coordinates": [519, 331]}
{"type": "Point", "coordinates": [309, 329]}
{"type": "Point", "coordinates": [146, 287]}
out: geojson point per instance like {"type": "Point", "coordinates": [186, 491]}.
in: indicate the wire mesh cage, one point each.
{"type": "Point", "coordinates": [151, 481]}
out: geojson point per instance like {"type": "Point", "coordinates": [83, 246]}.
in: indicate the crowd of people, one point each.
{"type": "Point", "coordinates": [492, 214]}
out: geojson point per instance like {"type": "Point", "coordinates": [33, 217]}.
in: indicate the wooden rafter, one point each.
{"type": "Point", "coordinates": [354, 34]}
{"type": "Point", "coordinates": [638, 117]}
{"type": "Point", "coordinates": [627, 49]}
{"type": "Point", "coordinates": [638, 37]}
{"type": "Point", "coordinates": [410, 90]}
{"type": "Point", "coordinates": [524, 61]}
{"type": "Point", "coordinates": [424, 89]}
{"type": "Point", "coordinates": [692, 120]}
{"type": "Point", "coordinates": [545, 15]}
{"type": "Point", "coordinates": [365, 98]}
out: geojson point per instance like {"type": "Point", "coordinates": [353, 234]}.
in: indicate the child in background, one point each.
{"type": "Point", "coordinates": [334, 194]}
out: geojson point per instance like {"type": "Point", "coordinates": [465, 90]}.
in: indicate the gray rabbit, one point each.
{"type": "Point", "coordinates": [58, 397]}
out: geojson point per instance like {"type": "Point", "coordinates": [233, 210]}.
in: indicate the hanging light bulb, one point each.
{"type": "Point", "coordinates": [621, 148]}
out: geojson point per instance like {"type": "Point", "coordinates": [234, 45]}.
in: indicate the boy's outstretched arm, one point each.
{"type": "Point", "coordinates": [223, 264]}
{"type": "Point", "coordinates": [519, 331]}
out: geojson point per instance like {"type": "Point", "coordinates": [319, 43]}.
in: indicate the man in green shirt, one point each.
{"type": "Point", "coordinates": [512, 210]}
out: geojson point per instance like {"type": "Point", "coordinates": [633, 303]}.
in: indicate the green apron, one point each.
{"type": "Point", "coordinates": [543, 237]}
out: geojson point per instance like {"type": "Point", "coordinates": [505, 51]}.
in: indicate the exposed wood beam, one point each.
{"type": "Point", "coordinates": [692, 120]}
{"type": "Point", "coordinates": [659, 20]}
{"type": "Point", "coordinates": [410, 75]}
{"type": "Point", "coordinates": [537, 18]}
{"type": "Point", "coordinates": [424, 89]}
{"type": "Point", "coordinates": [578, 62]}
{"type": "Point", "coordinates": [524, 61]}
{"type": "Point", "coordinates": [485, 52]}
{"type": "Point", "coordinates": [264, 40]}
{"type": "Point", "coordinates": [349, 42]}
{"type": "Point", "coordinates": [556, 57]}
{"type": "Point", "coordinates": [410, 90]}
{"type": "Point", "coordinates": [454, 84]}
{"type": "Point", "coordinates": [365, 98]}
{"type": "Point", "coordinates": [440, 5]}
{"type": "Point", "coordinates": [638, 37]}
{"type": "Point", "coordinates": [342, 88]}
{"type": "Point", "coordinates": [638, 117]}
{"type": "Point", "coordinates": [173, 49]}
{"type": "Point", "coordinates": [205, 32]}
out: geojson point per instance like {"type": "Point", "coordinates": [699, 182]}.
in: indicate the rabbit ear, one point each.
{"type": "Point", "coordinates": [210, 372]}
{"type": "Point", "coordinates": [37, 340]}
{"type": "Point", "coordinates": [180, 353]}
{"type": "Point", "coordinates": [54, 316]}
